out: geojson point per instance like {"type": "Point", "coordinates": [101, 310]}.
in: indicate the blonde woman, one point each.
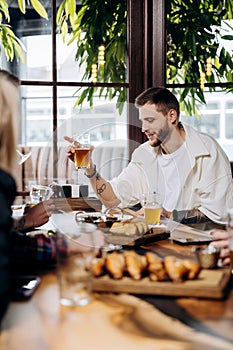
{"type": "Point", "coordinates": [8, 114]}
{"type": "Point", "coordinates": [16, 246]}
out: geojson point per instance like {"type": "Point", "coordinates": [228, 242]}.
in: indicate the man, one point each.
{"type": "Point", "coordinates": [188, 169]}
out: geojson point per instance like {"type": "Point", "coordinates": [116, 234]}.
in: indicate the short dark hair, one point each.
{"type": "Point", "coordinates": [161, 97]}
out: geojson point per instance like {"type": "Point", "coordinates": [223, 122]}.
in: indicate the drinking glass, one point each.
{"type": "Point", "coordinates": [39, 193]}
{"type": "Point", "coordinates": [82, 155]}
{"type": "Point", "coordinates": [152, 208]}
{"type": "Point", "coordinates": [74, 266]}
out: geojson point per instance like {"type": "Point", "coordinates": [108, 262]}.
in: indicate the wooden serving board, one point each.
{"type": "Point", "coordinates": [154, 235]}
{"type": "Point", "coordinates": [209, 284]}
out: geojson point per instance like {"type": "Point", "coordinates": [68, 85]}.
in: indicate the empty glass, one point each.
{"type": "Point", "coordinates": [74, 266]}
{"type": "Point", "coordinates": [40, 193]}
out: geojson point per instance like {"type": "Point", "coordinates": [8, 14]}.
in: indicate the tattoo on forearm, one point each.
{"type": "Point", "coordinates": [19, 223]}
{"type": "Point", "coordinates": [101, 189]}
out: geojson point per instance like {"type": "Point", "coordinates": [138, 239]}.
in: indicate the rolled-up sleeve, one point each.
{"type": "Point", "coordinates": [130, 184]}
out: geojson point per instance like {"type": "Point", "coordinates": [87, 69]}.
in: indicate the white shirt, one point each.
{"type": "Point", "coordinates": [174, 176]}
{"type": "Point", "coordinates": [207, 185]}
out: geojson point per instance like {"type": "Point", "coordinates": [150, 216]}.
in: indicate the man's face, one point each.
{"type": "Point", "coordinates": [155, 125]}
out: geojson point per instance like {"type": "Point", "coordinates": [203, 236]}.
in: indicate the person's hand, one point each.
{"type": "Point", "coordinates": [71, 148]}
{"type": "Point", "coordinates": [166, 214]}
{"type": "Point", "coordinates": [38, 214]}
{"type": "Point", "coordinates": [221, 241]}
{"type": "Point", "coordinates": [140, 212]}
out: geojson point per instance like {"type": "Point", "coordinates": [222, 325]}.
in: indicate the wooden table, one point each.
{"type": "Point", "coordinates": [118, 321]}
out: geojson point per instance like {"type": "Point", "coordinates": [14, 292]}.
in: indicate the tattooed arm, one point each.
{"type": "Point", "coordinates": [102, 188]}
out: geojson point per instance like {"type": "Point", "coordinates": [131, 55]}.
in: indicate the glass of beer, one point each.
{"type": "Point", "coordinates": [152, 208]}
{"type": "Point", "coordinates": [82, 155]}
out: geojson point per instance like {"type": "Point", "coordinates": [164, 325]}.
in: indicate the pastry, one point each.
{"type": "Point", "coordinates": [135, 264]}
{"type": "Point", "coordinates": [115, 265]}
{"type": "Point", "coordinates": [175, 268]}
{"type": "Point", "coordinates": [98, 267]}
{"type": "Point", "coordinates": [155, 267]}
{"type": "Point", "coordinates": [193, 267]}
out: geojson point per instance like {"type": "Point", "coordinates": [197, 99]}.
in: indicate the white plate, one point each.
{"type": "Point", "coordinates": [65, 222]}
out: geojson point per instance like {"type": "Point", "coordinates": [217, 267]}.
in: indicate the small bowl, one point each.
{"type": "Point", "coordinates": [208, 256]}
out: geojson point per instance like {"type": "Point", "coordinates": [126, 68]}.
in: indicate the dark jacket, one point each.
{"type": "Point", "coordinates": [7, 196]}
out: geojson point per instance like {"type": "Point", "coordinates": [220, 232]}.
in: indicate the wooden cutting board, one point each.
{"type": "Point", "coordinates": [154, 235]}
{"type": "Point", "coordinates": [209, 284]}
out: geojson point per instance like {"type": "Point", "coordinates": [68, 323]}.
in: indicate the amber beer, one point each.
{"type": "Point", "coordinates": [152, 214]}
{"type": "Point", "coordinates": [152, 207]}
{"type": "Point", "coordinates": [82, 157]}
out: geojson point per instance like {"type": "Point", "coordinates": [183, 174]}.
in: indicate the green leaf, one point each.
{"type": "Point", "coordinates": [227, 37]}
{"type": "Point", "coordinates": [22, 6]}
{"type": "Point", "coordinates": [229, 60]}
{"type": "Point", "coordinates": [71, 5]}
{"type": "Point", "coordinates": [19, 51]}
{"type": "Point", "coordinates": [39, 8]}
{"type": "Point", "coordinates": [4, 10]}
{"type": "Point", "coordinates": [64, 30]}
{"type": "Point", "coordinates": [60, 11]}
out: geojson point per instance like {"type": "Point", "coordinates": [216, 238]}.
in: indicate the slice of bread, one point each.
{"type": "Point", "coordinates": [129, 228]}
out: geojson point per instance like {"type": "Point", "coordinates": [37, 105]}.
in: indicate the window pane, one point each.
{"type": "Point", "coordinates": [35, 33]}
{"type": "Point", "coordinates": [36, 115]}
{"type": "Point", "coordinates": [38, 64]}
{"type": "Point", "coordinates": [229, 120]}
{"type": "Point", "coordinates": [67, 66]}
{"type": "Point", "coordinates": [216, 119]}
{"type": "Point", "coordinates": [103, 121]}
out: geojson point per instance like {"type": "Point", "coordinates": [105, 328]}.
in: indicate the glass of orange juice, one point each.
{"type": "Point", "coordinates": [152, 208]}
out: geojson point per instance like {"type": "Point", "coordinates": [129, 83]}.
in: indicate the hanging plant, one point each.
{"type": "Point", "coordinates": [10, 43]}
{"type": "Point", "coordinates": [98, 25]}
{"type": "Point", "coordinates": [195, 31]}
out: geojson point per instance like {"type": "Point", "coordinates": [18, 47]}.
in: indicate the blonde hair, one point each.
{"type": "Point", "coordinates": [9, 113]}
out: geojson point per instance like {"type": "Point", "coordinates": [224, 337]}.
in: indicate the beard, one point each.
{"type": "Point", "coordinates": [155, 142]}
{"type": "Point", "coordinates": [159, 138]}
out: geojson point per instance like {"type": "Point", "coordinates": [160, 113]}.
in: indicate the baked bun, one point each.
{"type": "Point", "coordinates": [129, 228]}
